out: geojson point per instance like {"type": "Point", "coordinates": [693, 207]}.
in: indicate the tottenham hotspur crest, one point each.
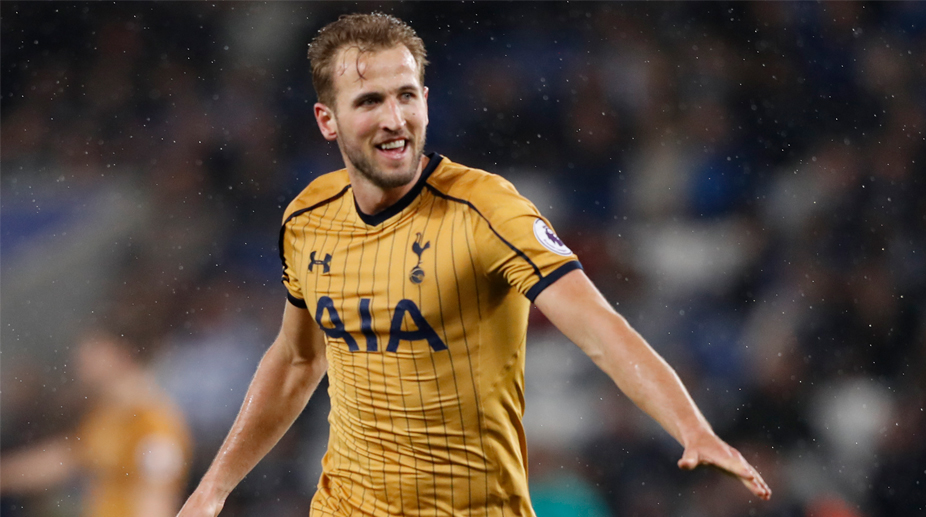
{"type": "Point", "coordinates": [417, 274]}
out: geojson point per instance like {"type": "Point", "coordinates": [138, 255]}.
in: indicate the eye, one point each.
{"type": "Point", "coordinates": [407, 96]}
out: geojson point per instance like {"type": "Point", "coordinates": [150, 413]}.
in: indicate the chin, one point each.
{"type": "Point", "coordinates": [384, 173]}
{"type": "Point", "coordinates": [395, 179]}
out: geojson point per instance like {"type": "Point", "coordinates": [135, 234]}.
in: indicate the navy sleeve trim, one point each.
{"type": "Point", "coordinates": [552, 277]}
{"type": "Point", "coordinates": [296, 301]}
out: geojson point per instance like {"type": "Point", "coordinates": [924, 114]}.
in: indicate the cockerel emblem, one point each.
{"type": "Point", "coordinates": [417, 274]}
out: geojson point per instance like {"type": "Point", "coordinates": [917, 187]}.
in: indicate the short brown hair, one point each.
{"type": "Point", "coordinates": [368, 32]}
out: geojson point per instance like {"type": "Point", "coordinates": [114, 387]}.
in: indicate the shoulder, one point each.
{"type": "Point", "coordinates": [476, 187]}
{"type": "Point", "coordinates": [483, 191]}
{"type": "Point", "coordinates": [320, 191]}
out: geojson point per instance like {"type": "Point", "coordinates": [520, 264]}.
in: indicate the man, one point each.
{"type": "Point", "coordinates": [132, 446]}
{"type": "Point", "coordinates": [420, 273]}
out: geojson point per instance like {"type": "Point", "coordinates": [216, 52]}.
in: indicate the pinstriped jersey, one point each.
{"type": "Point", "coordinates": [124, 447]}
{"type": "Point", "coordinates": [424, 307]}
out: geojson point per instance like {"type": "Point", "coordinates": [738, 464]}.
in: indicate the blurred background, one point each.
{"type": "Point", "coordinates": [744, 181]}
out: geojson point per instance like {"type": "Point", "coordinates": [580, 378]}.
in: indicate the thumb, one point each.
{"type": "Point", "coordinates": [689, 460]}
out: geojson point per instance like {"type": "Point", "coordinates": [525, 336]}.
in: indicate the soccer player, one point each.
{"type": "Point", "coordinates": [409, 282]}
{"type": "Point", "coordinates": [132, 447]}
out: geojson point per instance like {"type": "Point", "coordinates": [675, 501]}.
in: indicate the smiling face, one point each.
{"type": "Point", "coordinates": [379, 117]}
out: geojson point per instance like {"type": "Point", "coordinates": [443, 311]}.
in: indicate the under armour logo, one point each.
{"type": "Point", "coordinates": [417, 274]}
{"type": "Point", "coordinates": [326, 264]}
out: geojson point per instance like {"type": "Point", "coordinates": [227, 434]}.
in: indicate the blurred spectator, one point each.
{"type": "Point", "coordinates": [131, 447]}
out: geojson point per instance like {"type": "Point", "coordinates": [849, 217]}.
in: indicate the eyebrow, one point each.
{"type": "Point", "coordinates": [372, 96]}
{"type": "Point", "coordinates": [378, 96]}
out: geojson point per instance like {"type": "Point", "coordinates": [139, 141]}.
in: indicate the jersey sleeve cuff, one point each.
{"type": "Point", "coordinates": [298, 302]}
{"type": "Point", "coordinates": [552, 277]}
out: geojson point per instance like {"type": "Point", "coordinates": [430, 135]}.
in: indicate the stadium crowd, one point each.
{"type": "Point", "coordinates": [745, 180]}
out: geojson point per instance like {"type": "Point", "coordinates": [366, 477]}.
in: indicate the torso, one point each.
{"type": "Point", "coordinates": [425, 343]}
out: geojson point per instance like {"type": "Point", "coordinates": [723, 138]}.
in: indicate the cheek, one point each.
{"type": "Point", "coordinates": [419, 115]}
{"type": "Point", "coordinates": [424, 114]}
{"type": "Point", "coordinates": [359, 127]}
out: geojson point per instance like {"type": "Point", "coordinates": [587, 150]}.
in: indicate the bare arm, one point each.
{"type": "Point", "coordinates": [160, 476]}
{"type": "Point", "coordinates": [576, 307]}
{"type": "Point", "coordinates": [156, 499]}
{"type": "Point", "coordinates": [285, 379]}
{"type": "Point", "coordinates": [37, 467]}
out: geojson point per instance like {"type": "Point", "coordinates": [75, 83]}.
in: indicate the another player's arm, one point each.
{"type": "Point", "coordinates": [37, 467]}
{"type": "Point", "coordinates": [156, 498]}
{"type": "Point", "coordinates": [286, 377]}
{"type": "Point", "coordinates": [160, 475]}
{"type": "Point", "coordinates": [576, 307]}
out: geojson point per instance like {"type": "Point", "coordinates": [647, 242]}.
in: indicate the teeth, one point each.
{"type": "Point", "coordinates": [393, 145]}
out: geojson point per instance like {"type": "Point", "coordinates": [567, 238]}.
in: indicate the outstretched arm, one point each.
{"type": "Point", "coordinates": [286, 377]}
{"type": "Point", "coordinates": [576, 307]}
{"type": "Point", "coordinates": [37, 467]}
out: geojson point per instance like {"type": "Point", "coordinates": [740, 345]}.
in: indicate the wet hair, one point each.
{"type": "Point", "coordinates": [368, 32]}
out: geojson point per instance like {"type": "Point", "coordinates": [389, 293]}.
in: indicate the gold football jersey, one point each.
{"type": "Point", "coordinates": [123, 448]}
{"type": "Point", "coordinates": [425, 311]}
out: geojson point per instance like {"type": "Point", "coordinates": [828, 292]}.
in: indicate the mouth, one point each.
{"type": "Point", "coordinates": [394, 149]}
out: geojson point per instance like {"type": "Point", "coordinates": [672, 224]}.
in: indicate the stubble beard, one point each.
{"type": "Point", "coordinates": [377, 177]}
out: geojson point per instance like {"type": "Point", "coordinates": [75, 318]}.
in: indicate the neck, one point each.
{"type": "Point", "coordinates": [372, 199]}
{"type": "Point", "coordinates": [129, 388]}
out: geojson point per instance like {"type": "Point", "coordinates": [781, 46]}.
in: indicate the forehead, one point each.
{"type": "Point", "coordinates": [356, 71]}
{"type": "Point", "coordinates": [96, 344]}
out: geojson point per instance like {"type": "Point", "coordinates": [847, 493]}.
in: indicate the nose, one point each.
{"type": "Point", "coordinates": [393, 118]}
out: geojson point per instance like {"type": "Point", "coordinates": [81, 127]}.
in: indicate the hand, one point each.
{"type": "Point", "coordinates": [708, 449]}
{"type": "Point", "coordinates": [199, 505]}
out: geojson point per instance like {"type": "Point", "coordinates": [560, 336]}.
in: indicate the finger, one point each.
{"type": "Point", "coordinates": [754, 482]}
{"type": "Point", "coordinates": [750, 479]}
{"type": "Point", "coordinates": [760, 487]}
{"type": "Point", "coordinates": [689, 460]}
{"type": "Point", "coordinates": [736, 464]}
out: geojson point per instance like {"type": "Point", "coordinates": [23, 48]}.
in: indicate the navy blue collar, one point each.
{"type": "Point", "coordinates": [434, 160]}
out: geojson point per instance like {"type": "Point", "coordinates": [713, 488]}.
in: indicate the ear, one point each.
{"type": "Point", "coordinates": [426, 120]}
{"type": "Point", "coordinates": [327, 124]}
